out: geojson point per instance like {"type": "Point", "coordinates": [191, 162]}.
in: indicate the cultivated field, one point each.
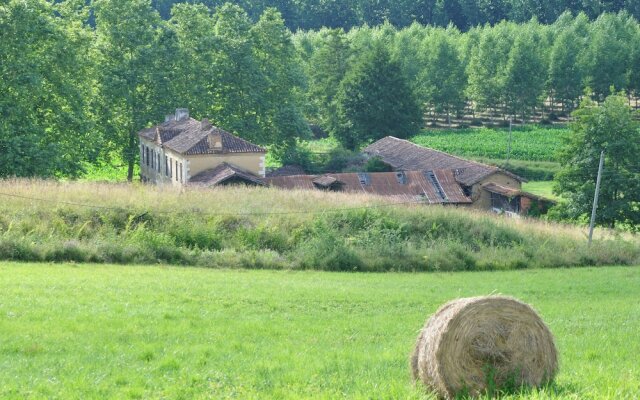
{"type": "Point", "coordinates": [87, 331]}
{"type": "Point", "coordinates": [529, 143]}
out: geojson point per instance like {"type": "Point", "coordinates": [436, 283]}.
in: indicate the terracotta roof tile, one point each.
{"type": "Point", "coordinates": [189, 137]}
{"type": "Point", "coordinates": [222, 173]}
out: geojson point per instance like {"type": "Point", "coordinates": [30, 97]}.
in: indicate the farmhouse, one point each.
{"type": "Point", "coordinates": [425, 175]}
{"type": "Point", "coordinates": [488, 187]}
{"type": "Point", "coordinates": [183, 151]}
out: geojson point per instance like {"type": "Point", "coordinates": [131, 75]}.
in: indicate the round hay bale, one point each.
{"type": "Point", "coordinates": [481, 345]}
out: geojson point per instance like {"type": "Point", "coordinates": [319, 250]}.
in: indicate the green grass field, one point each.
{"type": "Point", "coordinates": [530, 143]}
{"type": "Point", "coordinates": [541, 188]}
{"type": "Point", "coordinates": [89, 332]}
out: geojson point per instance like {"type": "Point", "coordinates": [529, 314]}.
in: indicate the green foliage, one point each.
{"type": "Point", "coordinates": [565, 74]}
{"type": "Point", "coordinates": [45, 82]}
{"type": "Point", "coordinates": [443, 79]}
{"type": "Point", "coordinates": [375, 164]}
{"type": "Point", "coordinates": [611, 128]}
{"type": "Point", "coordinates": [130, 81]}
{"type": "Point", "coordinates": [524, 73]}
{"type": "Point", "coordinates": [464, 14]}
{"type": "Point", "coordinates": [327, 68]}
{"type": "Point", "coordinates": [606, 57]}
{"type": "Point", "coordinates": [375, 100]}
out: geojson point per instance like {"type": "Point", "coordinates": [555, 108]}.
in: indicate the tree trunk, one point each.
{"type": "Point", "coordinates": [131, 158]}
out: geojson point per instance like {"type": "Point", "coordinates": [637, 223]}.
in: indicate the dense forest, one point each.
{"type": "Point", "coordinates": [463, 14]}
{"type": "Point", "coordinates": [79, 81]}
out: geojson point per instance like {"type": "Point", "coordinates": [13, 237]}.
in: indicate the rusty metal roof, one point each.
{"type": "Point", "coordinates": [406, 184]}
{"type": "Point", "coordinates": [404, 155]}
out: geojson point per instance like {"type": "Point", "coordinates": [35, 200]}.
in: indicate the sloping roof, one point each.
{"type": "Point", "coordinates": [189, 137]}
{"type": "Point", "coordinates": [287, 170]}
{"type": "Point", "coordinates": [502, 190]}
{"type": "Point", "coordinates": [510, 192]}
{"type": "Point", "coordinates": [442, 189]}
{"type": "Point", "coordinates": [222, 173]}
{"type": "Point", "coordinates": [404, 155]}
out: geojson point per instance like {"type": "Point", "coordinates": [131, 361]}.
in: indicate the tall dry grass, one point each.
{"type": "Point", "coordinates": [271, 228]}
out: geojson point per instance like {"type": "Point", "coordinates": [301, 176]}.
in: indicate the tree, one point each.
{"type": "Point", "coordinates": [565, 75]}
{"type": "Point", "coordinates": [328, 66]}
{"type": "Point", "coordinates": [127, 53]}
{"type": "Point", "coordinates": [610, 127]}
{"type": "Point", "coordinates": [606, 58]}
{"type": "Point", "coordinates": [279, 112]}
{"type": "Point", "coordinates": [486, 64]}
{"type": "Point", "coordinates": [45, 82]}
{"type": "Point", "coordinates": [523, 77]}
{"type": "Point", "coordinates": [443, 79]}
{"type": "Point", "coordinates": [375, 100]}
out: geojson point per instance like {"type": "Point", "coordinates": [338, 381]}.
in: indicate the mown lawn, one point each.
{"type": "Point", "coordinates": [86, 331]}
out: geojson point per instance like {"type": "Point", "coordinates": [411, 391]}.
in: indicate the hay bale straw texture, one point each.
{"type": "Point", "coordinates": [478, 345]}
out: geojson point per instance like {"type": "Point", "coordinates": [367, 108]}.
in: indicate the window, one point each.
{"type": "Point", "coordinates": [166, 165]}
{"type": "Point", "coordinates": [181, 173]}
{"type": "Point", "coordinates": [158, 162]}
{"type": "Point", "coordinates": [146, 155]}
{"type": "Point", "coordinates": [176, 170]}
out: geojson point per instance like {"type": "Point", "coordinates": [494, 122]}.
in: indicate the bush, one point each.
{"type": "Point", "coordinates": [375, 164]}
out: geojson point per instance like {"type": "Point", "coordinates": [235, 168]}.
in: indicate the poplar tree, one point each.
{"type": "Point", "coordinates": [523, 76]}
{"type": "Point", "coordinates": [443, 80]}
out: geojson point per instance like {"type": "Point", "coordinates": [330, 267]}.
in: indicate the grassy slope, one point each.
{"type": "Point", "coordinates": [307, 230]}
{"type": "Point", "coordinates": [83, 331]}
{"type": "Point", "coordinates": [541, 188]}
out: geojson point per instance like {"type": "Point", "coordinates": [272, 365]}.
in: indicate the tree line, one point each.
{"type": "Point", "coordinates": [509, 66]}
{"type": "Point", "coordinates": [78, 81]}
{"type": "Point", "coordinates": [463, 14]}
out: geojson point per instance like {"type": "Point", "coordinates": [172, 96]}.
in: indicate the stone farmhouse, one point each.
{"type": "Point", "coordinates": [425, 175]}
{"type": "Point", "coordinates": [183, 151]}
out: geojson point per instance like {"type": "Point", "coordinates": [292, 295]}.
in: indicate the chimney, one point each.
{"type": "Point", "coordinates": [169, 117]}
{"type": "Point", "coordinates": [205, 125]}
{"type": "Point", "coordinates": [215, 141]}
{"type": "Point", "coordinates": [182, 114]}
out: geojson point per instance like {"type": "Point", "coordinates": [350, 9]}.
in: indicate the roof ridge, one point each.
{"type": "Point", "coordinates": [447, 154]}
